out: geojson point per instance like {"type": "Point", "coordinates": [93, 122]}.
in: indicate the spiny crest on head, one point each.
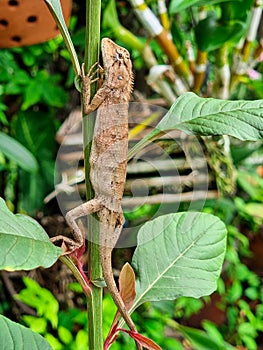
{"type": "Point", "coordinates": [132, 82]}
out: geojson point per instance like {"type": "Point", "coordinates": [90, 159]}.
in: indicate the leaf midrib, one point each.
{"type": "Point", "coordinates": [150, 286]}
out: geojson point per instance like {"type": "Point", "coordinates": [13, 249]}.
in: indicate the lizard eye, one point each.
{"type": "Point", "coordinates": [120, 77]}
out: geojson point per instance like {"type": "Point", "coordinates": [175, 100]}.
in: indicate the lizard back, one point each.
{"type": "Point", "coordinates": [109, 151]}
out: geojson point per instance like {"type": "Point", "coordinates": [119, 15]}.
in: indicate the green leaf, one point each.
{"type": "Point", "coordinates": [36, 131]}
{"type": "Point", "coordinates": [15, 151]}
{"type": "Point", "coordinates": [249, 342]}
{"type": "Point", "coordinates": [56, 11]}
{"type": "Point", "coordinates": [236, 10]}
{"type": "Point", "coordinates": [255, 210]}
{"type": "Point", "coordinates": [38, 325]}
{"type": "Point", "coordinates": [16, 337]}
{"type": "Point", "coordinates": [234, 292]}
{"type": "Point", "coordinates": [111, 23]}
{"type": "Point", "coordinates": [251, 293]}
{"type": "Point", "coordinates": [8, 66]}
{"type": "Point", "coordinates": [247, 329]}
{"type": "Point", "coordinates": [41, 299]}
{"type": "Point", "coordinates": [203, 341]}
{"type": "Point", "coordinates": [53, 341]}
{"type": "Point", "coordinates": [31, 200]}
{"type": "Point", "coordinates": [110, 16]}
{"type": "Point", "coordinates": [24, 243]}
{"type": "Point", "coordinates": [179, 255]}
{"type": "Point", "coordinates": [209, 116]}
{"type": "Point", "coordinates": [32, 94]}
{"type": "Point", "coordinates": [21, 77]}
{"type": "Point", "coordinates": [81, 340]}
{"type": "Point", "coordinates": [213, 332]}
{"type": "Point", "coordinates": [3, 119]}
{"type": "Point", "coordinates": [180, 5]}
{"type": "Point", "coordinates": [65, 335]}
{"type": "Point", "coordinates": [44, 88]}
{"type": "Point", "coordinates": [54, 95]}
{"type": "Point", "coordinates": [210, 34]}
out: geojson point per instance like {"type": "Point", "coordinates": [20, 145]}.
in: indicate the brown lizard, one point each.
{"type": "Point", "coordinates": [108, 160]}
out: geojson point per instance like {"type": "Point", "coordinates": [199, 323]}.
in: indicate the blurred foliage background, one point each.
{"type": "Point", "coordinates": [208, 49]}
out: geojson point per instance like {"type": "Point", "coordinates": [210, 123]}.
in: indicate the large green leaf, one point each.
{"type": "Point", "coordinates": [13, 150]}
{"type": "Point", "coordinates": [209, 116]}
{"type": "Point", "coordinates": [24, 243]}
{"type": "Point", "coordinates": [13, 336]}
{"type": "Point", "coordinates": [179, 255]}
{"type": "Point", "coordinates": [180, 5]}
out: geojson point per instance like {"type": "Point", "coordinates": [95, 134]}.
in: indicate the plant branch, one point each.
{"type": "Point", "coordinates": [94, 304]}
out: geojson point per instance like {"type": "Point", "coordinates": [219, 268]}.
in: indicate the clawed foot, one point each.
{"type": "Point", "coordinates": [92, 73]}
{"type": "Point", "coordinates": [67, 245]}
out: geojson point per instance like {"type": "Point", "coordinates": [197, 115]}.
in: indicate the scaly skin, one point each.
{"type": "Point", "coordinates": [108, 161]}
{"type": "Point", "coordinates": [109, 154]}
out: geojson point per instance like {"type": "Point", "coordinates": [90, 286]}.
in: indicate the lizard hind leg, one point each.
{"type": "Point", "coordinates": [68, 244]}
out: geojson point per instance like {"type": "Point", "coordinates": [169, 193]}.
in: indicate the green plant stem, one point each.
{"type": "Point", "coordinates": [94, 304]}
{"type": "Point", "coordinates": [221, 55]}
{"type": "Point", "coordinates": [73, 268]}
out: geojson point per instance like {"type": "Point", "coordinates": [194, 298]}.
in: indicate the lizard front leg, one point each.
{"type": "Point", "coordinates": [87, 80]}
{"type": "Point", "coordinates": [101, 94]}
{"type": "Point", "coordinates": [69, 245]}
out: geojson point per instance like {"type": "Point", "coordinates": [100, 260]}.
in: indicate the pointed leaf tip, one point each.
{"type": "Point", "coordinates": [127, 285]}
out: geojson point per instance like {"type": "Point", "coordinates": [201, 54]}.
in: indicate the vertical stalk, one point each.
{"type": "Point", "coordinates": [223, 73]}
{"type": "Point", "coordinates": [200, 70]}
{"type": "Point", "coordinates": [94, 304]}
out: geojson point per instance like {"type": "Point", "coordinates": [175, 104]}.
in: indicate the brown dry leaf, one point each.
{"type": "Point", "coordinates": [127, 285]}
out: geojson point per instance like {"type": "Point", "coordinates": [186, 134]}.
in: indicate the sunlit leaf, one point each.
{"type": "Point", "coordinates": [209, 116]}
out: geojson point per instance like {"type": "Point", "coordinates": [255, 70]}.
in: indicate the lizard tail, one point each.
{"type": "Point", "coordinates": [105, 258]}
{"type": "Point", "coordinates": [111, 225]}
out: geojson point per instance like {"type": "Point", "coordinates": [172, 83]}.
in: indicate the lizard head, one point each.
{"type": "Point", "coordinates": [117, 65]}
